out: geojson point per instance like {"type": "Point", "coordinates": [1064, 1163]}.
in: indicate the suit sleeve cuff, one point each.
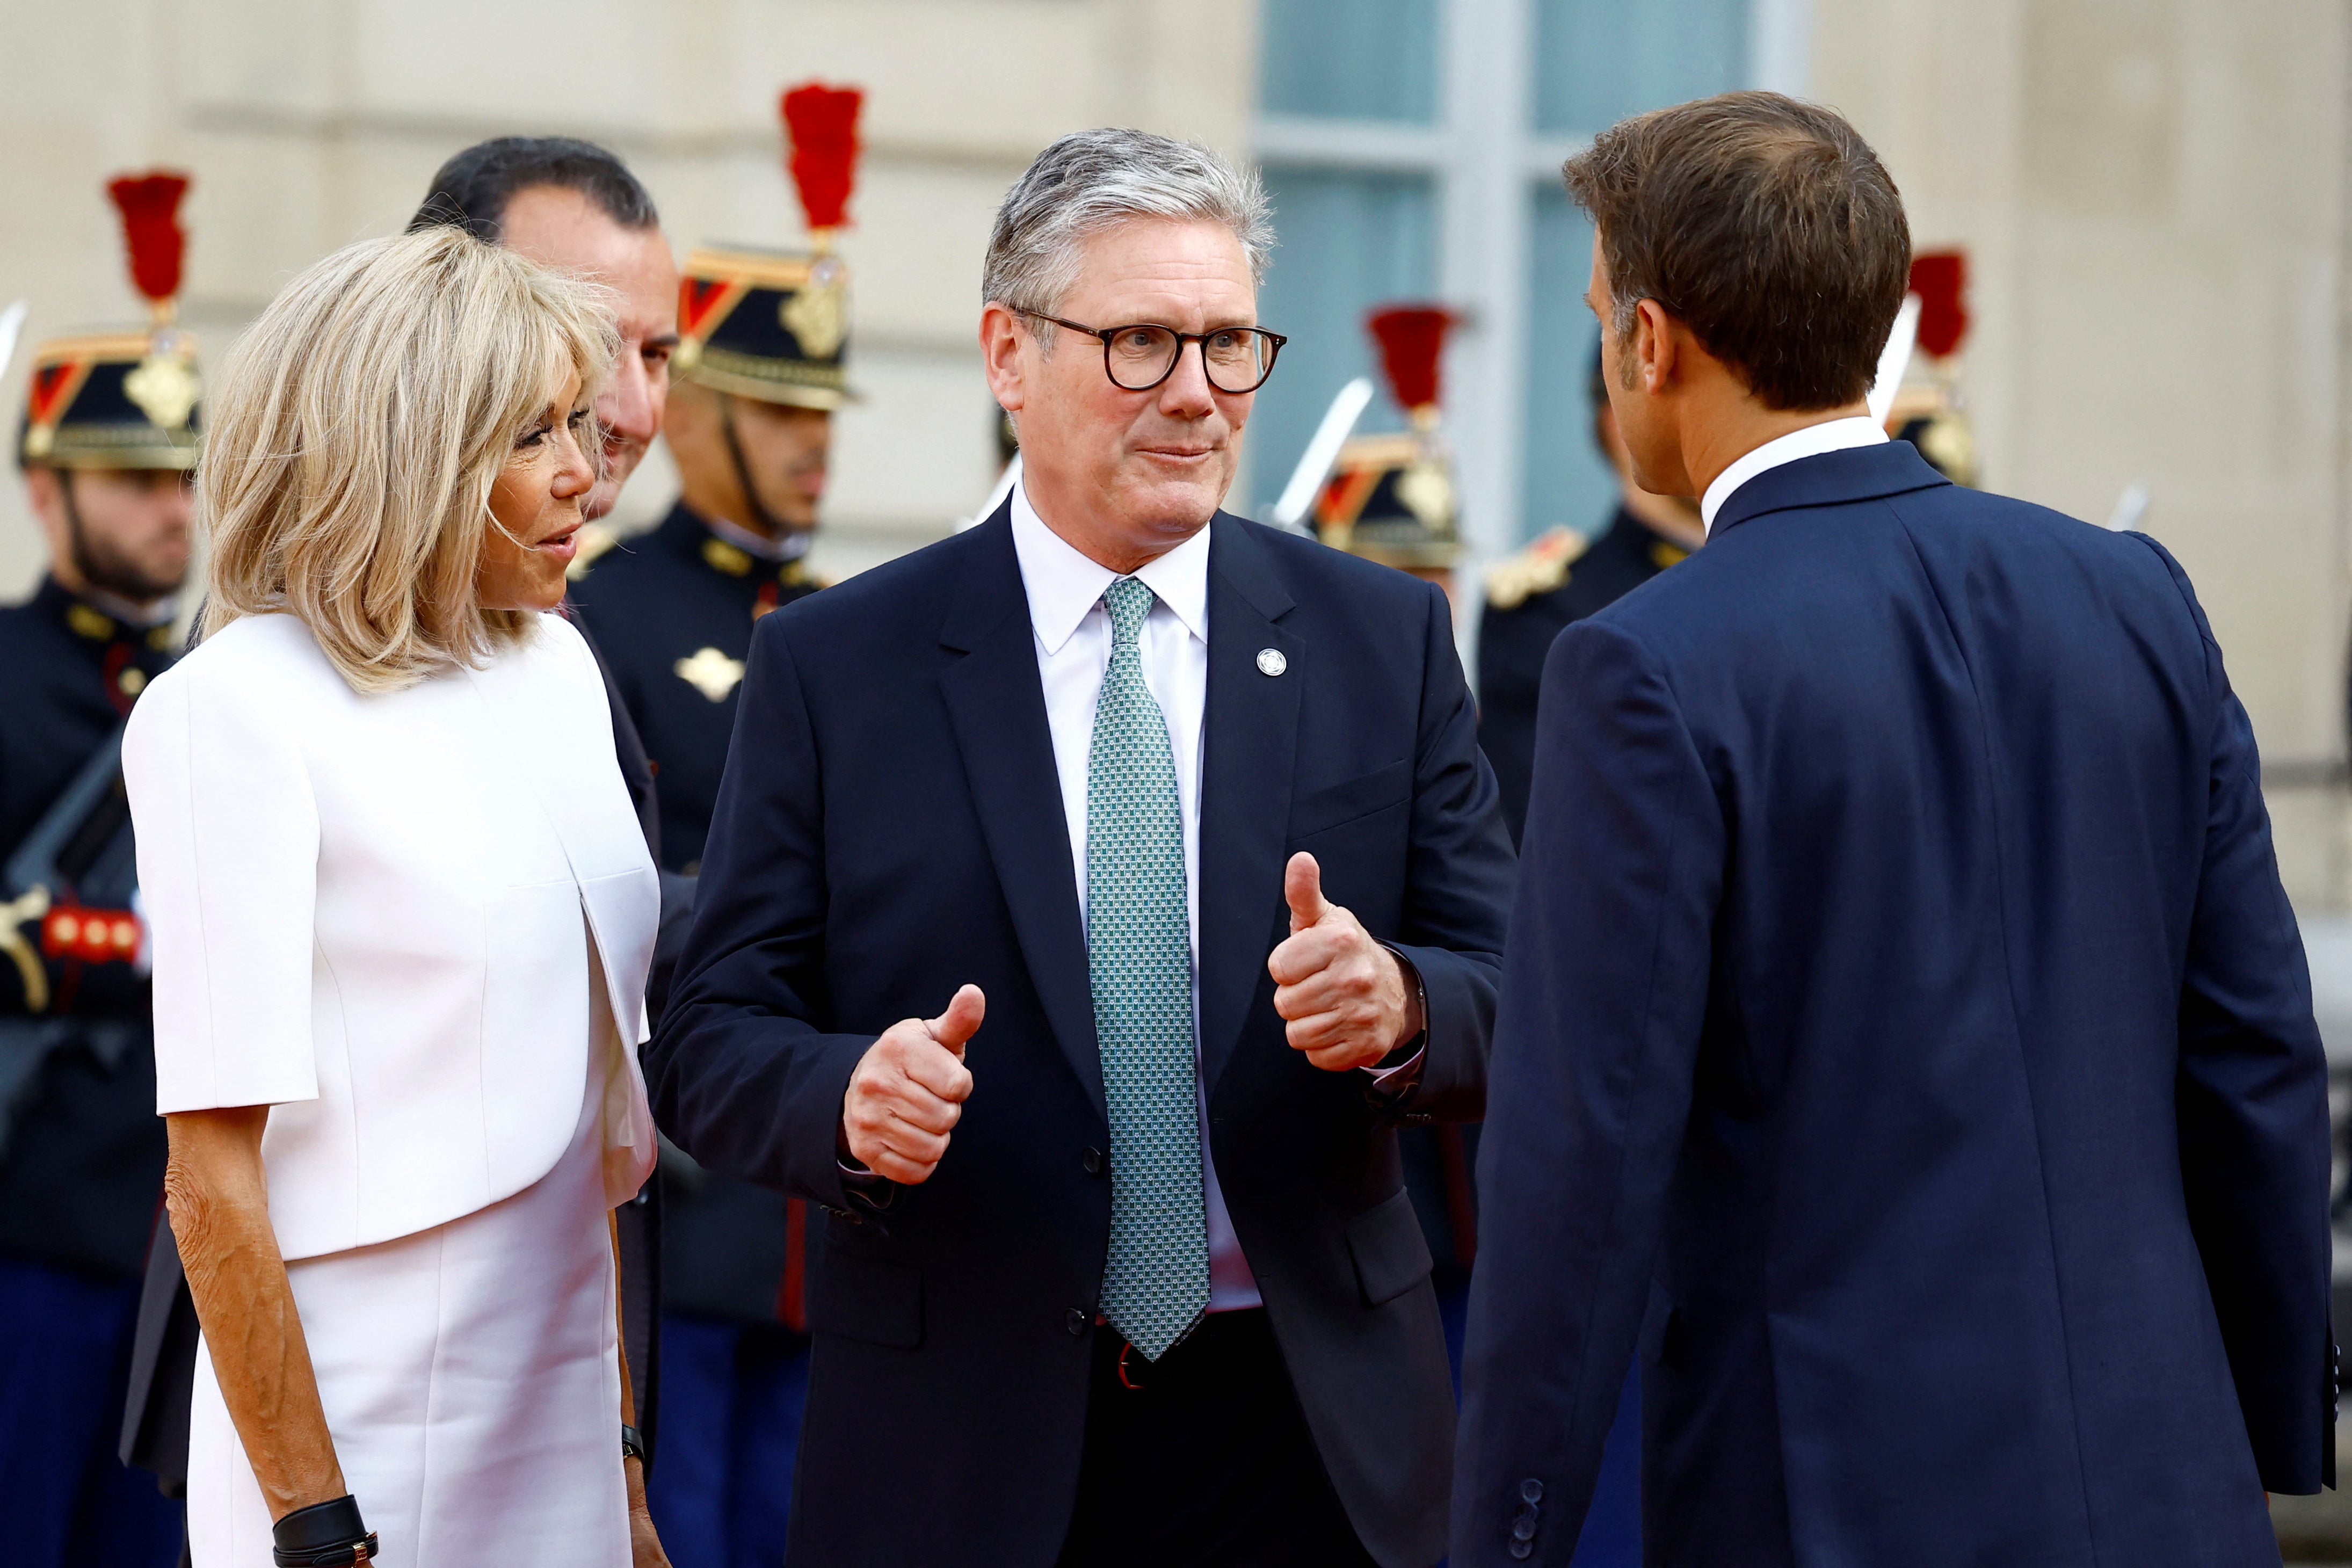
{"type": "Point", "coordinates": [1390, 1083]}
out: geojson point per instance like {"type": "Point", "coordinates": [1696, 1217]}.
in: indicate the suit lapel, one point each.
{"type": "Point", "coordinates": [998, 709]}
{"type": "Point", "coordinates": [1250, 741]}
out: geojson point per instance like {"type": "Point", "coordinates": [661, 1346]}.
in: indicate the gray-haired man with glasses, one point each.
{"type": "Point", "coordinates": [1090, 897]}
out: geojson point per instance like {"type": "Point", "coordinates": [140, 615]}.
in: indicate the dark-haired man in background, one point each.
{"type": "Point", "coordinates": [572, 206]}
{"type": "Point", "coordinates": [1957, 1113]}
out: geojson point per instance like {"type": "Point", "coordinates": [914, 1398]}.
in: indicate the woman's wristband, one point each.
{"type": "Point", "coordinates": [323, 1535]}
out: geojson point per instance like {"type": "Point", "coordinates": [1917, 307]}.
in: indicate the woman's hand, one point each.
{"type": "Point", "coordinates": [644, 1545]}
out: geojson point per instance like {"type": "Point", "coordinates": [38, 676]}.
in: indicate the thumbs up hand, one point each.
{"type": "Point", "coordinates": [908, 1090]}
{"type": "Point", "coordinates": [1345, 998]}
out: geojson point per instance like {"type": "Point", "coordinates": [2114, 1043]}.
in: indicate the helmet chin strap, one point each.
{"type": "Point", "coordinates": [760, 518]}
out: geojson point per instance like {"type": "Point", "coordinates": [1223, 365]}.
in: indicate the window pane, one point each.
{"type": "Point", "coordinates": [1350, 60]}
{"type": "Point", "coordinates": [1349, 242]}
{"type": "Point", "coordinates": [1566, 478]}
{"type": "Point", "coordinates": [1598, 61]}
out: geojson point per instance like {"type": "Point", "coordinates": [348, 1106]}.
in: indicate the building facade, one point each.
{"type": "Point", "coordinates": [2152, 194]}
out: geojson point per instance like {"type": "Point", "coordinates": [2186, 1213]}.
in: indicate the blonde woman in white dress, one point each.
{"type": "Point", "coordinates": [402, 915]}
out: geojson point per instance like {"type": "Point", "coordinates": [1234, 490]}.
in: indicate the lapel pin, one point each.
{"type": "Point", "coordinates": [1271, 662]}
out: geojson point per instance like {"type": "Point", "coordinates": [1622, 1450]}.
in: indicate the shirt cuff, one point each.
{"type": "Point", "coordinates": [868, 1186]}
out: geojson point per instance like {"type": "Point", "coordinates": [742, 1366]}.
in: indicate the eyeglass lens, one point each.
{"type": "Point", "coordinates": [1141, 357]}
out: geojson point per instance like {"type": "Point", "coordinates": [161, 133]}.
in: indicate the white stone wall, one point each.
{"type": "Point", "coordinates": [311, 123]}
{"type": "Point", "coordinates": [2153, 196]}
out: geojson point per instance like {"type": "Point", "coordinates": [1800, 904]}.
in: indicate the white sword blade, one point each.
{"type": "Point", "coordinates": [12, 321]}
{"type": "Point", "coordinates": [1315, 463]}
{"type": "Point", "coordinates": [1894, 359]}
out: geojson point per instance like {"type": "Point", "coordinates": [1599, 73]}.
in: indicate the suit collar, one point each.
{"type": "Point", "coordinates": [1829, 479]}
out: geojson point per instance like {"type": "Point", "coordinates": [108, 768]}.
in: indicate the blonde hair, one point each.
{"type": "Point", "coordinates": [354, 435]}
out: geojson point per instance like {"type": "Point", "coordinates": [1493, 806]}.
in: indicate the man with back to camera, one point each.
{"type": "Point", "coordinates": [1962, 1086]}
{"type": "Point", "coordinates": [1191, 814]}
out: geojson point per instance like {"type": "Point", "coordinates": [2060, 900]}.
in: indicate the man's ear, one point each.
{"type": "Point", "coordinates": [1000, 353]}
{"type": "Point", "coordinates": [1655, 347]}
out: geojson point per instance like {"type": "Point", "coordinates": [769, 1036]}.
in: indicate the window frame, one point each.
{"type": "Point", "coordinates": [1485, 158]}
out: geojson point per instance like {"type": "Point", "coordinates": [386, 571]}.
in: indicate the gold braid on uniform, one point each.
{"type": "Point", "coordinates": [1539, 568]}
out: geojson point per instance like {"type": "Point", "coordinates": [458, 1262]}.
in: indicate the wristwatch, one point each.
{"type": "Point", "coordinates": [633, 1443]}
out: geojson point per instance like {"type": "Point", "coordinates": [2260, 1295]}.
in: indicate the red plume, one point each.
{"type": "Point", "coordinates": [1940, 278]}
{"type": "Point", "coordinates": [1411, 337]}
{"type": "Point", "coordinates": [149, 204]}
{"type": "Point", "coordinates": [821, 123]}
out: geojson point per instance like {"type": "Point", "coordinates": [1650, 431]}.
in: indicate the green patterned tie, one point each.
{"type": "Point", "coordinates": [1139, 959]}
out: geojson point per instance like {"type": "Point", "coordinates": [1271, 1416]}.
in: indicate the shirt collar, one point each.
{"type": "Point", "coordinates": [1811, 441]}
{"type": "Point", "coordinates": [1064, 582]}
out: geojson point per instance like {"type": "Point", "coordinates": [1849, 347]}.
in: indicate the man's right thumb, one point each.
{"type": "Point", "coordinates": [961, 1021]}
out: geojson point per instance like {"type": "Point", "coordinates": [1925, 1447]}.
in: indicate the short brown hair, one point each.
{"type": "Point", "coordinates": [1765, 226]}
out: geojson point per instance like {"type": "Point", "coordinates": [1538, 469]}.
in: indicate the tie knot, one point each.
{"type": "Point", "coordinates": [1129, 600]}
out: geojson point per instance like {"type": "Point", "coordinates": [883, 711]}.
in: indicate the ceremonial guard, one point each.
{"type": "Point", "coordinates": [761, 366]}
{"type": "Point", "coordinates": [1560, 578]}
{"type": "Point", "coordinates": [1390, 496]}
{"type": "Point", "coordinates": [1930, 408]}
{"type": "Point", "coordinates": [108, 435]}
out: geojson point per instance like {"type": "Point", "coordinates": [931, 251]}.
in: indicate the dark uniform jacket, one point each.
{"type": "Point", "coordinates": [892, 828]}
{"type": "Point", "coordinates": [82, 1167]}
{"type": "Point", "coordinates": [1903, 1008]}
{"type": "Point", "coordinates": [670, 614]}
{"type": "Point", "coordinates": [1513, 641]}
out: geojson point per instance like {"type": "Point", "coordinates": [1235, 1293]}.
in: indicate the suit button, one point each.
{"type": "Point", "coordinates": [1524, 1529]}
{"type": "Point", "coordinates": [1074, 1320]}
{"type": "Point", "coordinates": [1523, 1550]}
{"type": "Point", "coordinates": [1092, 1159]}
{"type": "Point", "coordinates": [1531, 1491]}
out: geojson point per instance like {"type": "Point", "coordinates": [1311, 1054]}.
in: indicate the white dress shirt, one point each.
{"type": "Point", "coordinates": [1073, 636]}
{"type": "Point", "coordinates": [1828, 436]}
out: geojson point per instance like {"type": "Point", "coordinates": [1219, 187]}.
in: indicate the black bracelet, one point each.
{"type": "Point", "coordinates": [633, 1443]}
{"type": "Point", "coordinates": [323, 1535]}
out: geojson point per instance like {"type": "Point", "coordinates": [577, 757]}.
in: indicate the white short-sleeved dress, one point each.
{"type": "Point", "coordinates": [414, 925]}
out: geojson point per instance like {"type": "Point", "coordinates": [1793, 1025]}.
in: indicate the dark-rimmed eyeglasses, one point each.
{"type": "Point", "coordinates": [1142, 356]}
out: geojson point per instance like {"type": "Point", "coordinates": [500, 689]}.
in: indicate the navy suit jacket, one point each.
{"type": "Point", "coordinates": [890, 827]}
{"type": "Point", "coordinates": [1903, 1008]}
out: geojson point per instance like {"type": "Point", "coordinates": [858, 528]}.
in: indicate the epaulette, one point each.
{"type": "Point", "coordinates": [594, 540]}
{"type": "Point", "coordinates": [1538, 569]}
